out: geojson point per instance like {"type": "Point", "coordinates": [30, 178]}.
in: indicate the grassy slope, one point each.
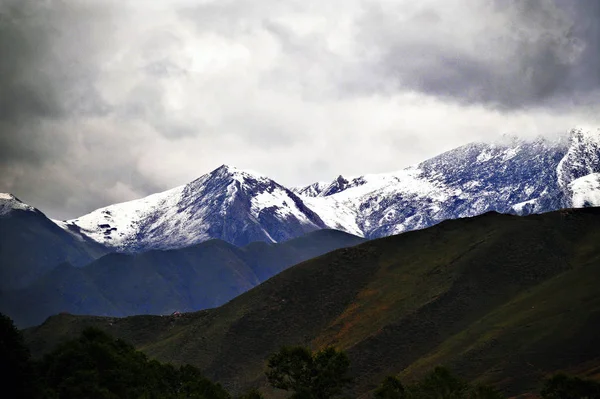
{"type": "Point", "coordinates": [499, 298]}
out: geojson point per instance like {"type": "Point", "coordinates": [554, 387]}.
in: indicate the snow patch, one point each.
{"type": "Point", "coordinates": [335, 214]}
{"type": "Point", "coordinates": [284, 205]}
{"type": "Point", "coordinates": [586, 191]}
{"type": "Point", "coordinates": [485, 155]}
{"type": "Point", "coordinates": [117, 224]}
{"type": "Point", "coordinates": [521, 206]}
{"type": "Point", "coordinates": [510, 153]}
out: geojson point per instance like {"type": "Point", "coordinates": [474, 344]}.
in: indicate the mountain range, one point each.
{"type": "Point", "coordinates": [198, 245]}
{"type": "Point", "coordinates": [499, 299]}
{"type": "Point", "coordinates": [460, 292]}
{"type": "Point", "coordinates": [508, 176]}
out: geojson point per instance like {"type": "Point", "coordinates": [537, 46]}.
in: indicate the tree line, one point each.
{"type": "Point", "coordinates": [98, 366]}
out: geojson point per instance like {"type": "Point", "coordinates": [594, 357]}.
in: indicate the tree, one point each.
{"type": "Point", "coordinates": [191, 384]}
{"type": "Point", "coordinates": [17, 374]}
{"type": "Point", "coordinates": [321, 375]}
{"type": "Point", "coordinates": [390, 388]}
{"type": "Point", "coordinates": [562, 386]}
{"type": "Point", "coordinates": [441, 384]}
{"type": "Point", "coordinates": [97, 366]}
{"type": "Point", "coordinates": [485, 392]}
{"type": "Point", "coordinates": [251, 394]}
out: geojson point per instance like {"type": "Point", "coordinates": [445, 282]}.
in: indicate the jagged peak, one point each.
{"type": "Point", "coordinates": [236, 173]}
{"type": "Point", "coordinates": [341, 179]}
{"type": "Point", "coordinates": [225, 169]}
{"type": "Point", "coordinates": [337, 185]}
{"type": "Point", "coordinates": [227, 174]}
{"type": "Point", "coordinates": [311, 190]}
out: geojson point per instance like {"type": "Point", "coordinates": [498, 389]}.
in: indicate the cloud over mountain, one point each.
{"type": "Point", "coordinates": [108, 101]}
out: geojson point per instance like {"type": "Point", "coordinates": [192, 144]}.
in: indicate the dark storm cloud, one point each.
{"type": "Point", "coordinates": [43, 69]}
{"type": "Point", "coordinates": [50, 54]}
{"type": "Point", "coordinates": [541, 54]}
{"type": "Point", "coordinates": [585, 74]}
{"type": "Point", "coordinates": [22, 42]}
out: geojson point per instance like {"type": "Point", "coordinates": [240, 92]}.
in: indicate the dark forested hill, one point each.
{"type": "Point", "coordinates": [497, 298]}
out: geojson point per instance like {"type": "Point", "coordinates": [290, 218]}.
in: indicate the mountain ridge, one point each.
{"type": "Point", "coordinates": [32, 244]}
{"type": "Point", "coordinates": [510, 175]}
{"type": "Point", "coordinates": [201, 276]}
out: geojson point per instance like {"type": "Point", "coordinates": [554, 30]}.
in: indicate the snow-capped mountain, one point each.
{"type": "Point", "coordinates": [509, 176]}
{"type": "Point", "coordinates": [229, 204]}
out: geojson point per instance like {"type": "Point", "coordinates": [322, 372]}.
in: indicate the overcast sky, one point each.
{"type": "Point", "coordinates": [104, 101]}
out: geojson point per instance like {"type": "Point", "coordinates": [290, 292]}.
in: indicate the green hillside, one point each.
{"type": "Point", "coordinates": [499, 299]}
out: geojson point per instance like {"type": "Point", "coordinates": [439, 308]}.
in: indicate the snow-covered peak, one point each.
{"type": "Point", "coordinates": [235, 205]}
{"type": "Point", "coordinates": [228, 178]}
{"type": "Point", "coordinates": [228, 171]}
{"type": "Point", "coordinates": [9, 202]}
